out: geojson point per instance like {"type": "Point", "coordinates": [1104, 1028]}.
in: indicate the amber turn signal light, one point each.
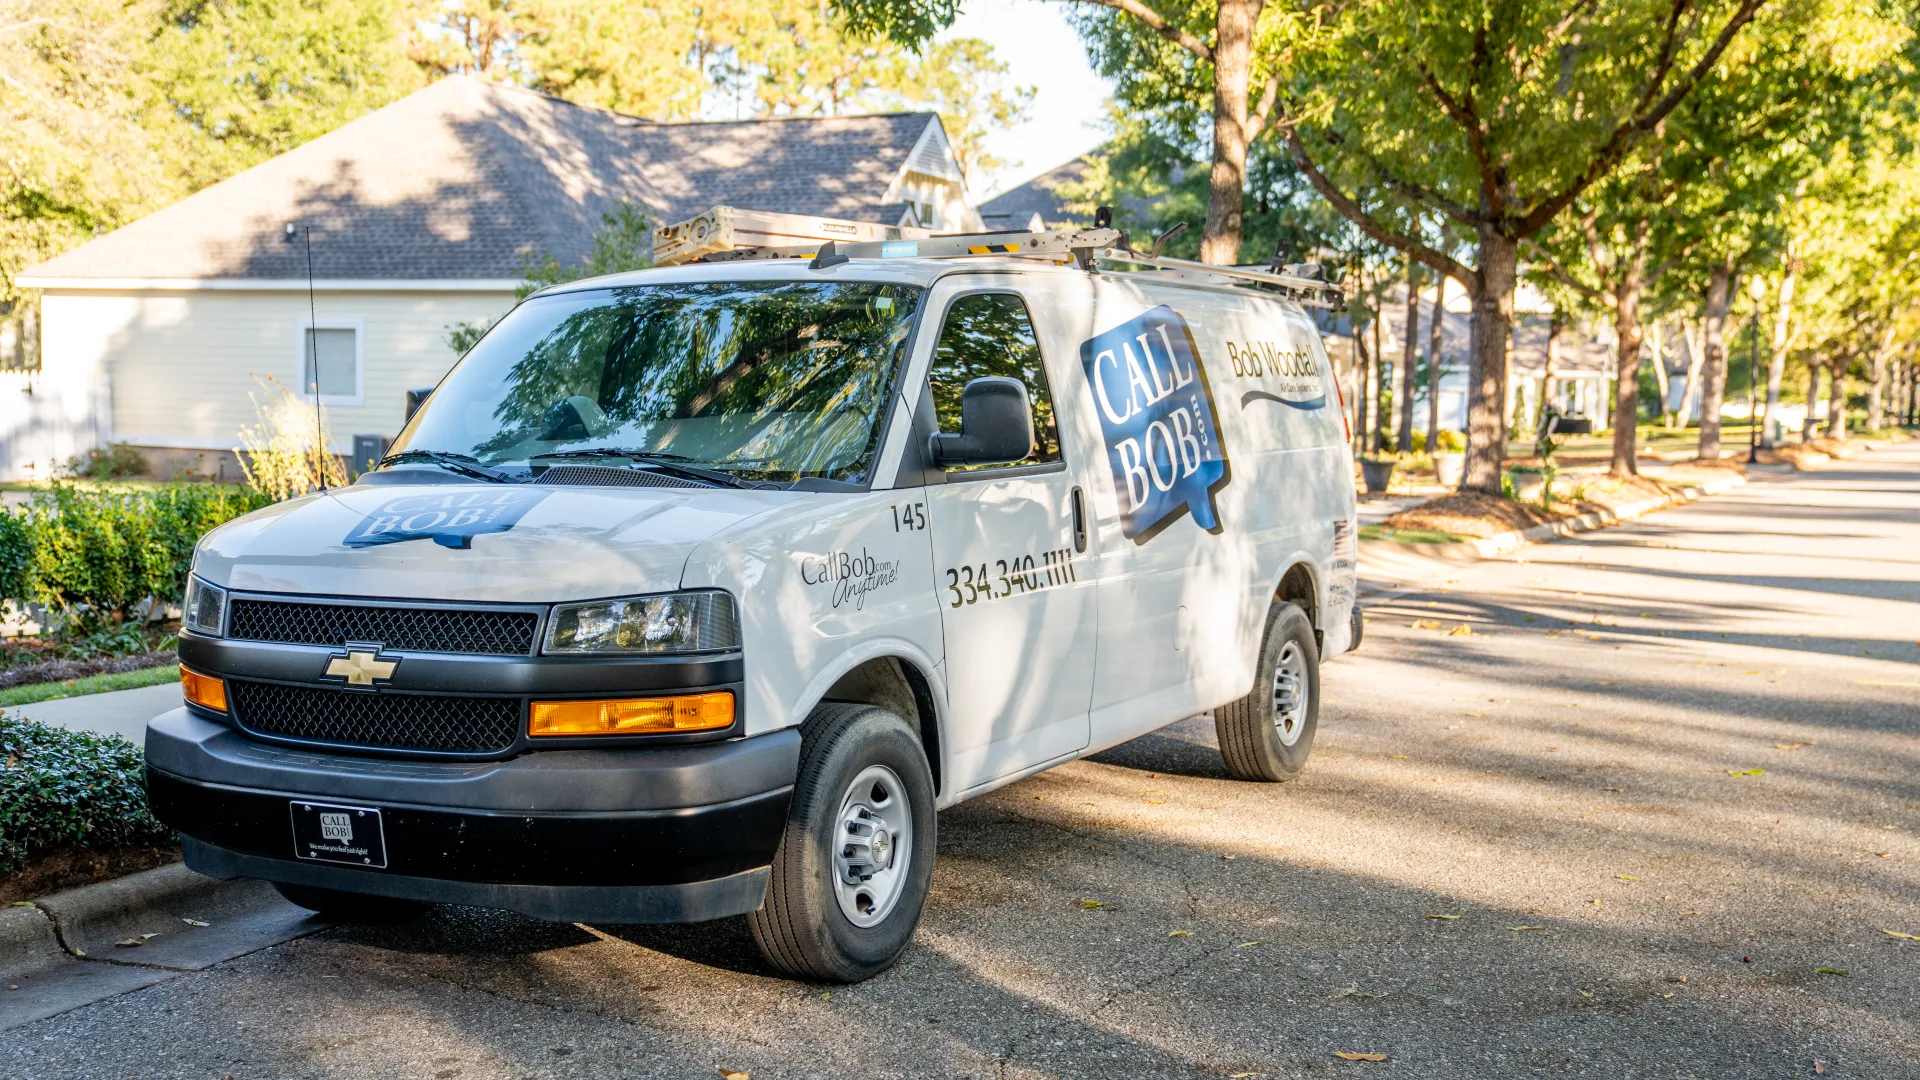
{"type": "Point", "coordinates": [633, 716]}
{"type": "Point", "coordinates": [203, 690]}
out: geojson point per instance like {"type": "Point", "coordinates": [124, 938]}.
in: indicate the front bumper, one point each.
{"type": "Point", "coordinates": [666, 834]}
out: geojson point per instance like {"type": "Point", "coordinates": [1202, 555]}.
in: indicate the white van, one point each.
{"type": "Point", "coordinates": [695, 592]}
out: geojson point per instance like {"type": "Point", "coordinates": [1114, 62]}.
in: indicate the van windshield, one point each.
{"type": "Point", "coordinates": [771, 381]}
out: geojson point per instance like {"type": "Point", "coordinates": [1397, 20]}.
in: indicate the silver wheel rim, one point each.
{"type": "Point", "coordinates": [1290, 693]}
{"type": "Point", "coordinates": [873, 849]}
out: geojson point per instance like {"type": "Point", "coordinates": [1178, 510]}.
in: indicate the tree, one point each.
{"type": "Point", "coordinates": [113, 109]}
{"type": "Point", "coordinates": [1498, 116]}
{"type": "Point", "coordinates": [1165, 46]}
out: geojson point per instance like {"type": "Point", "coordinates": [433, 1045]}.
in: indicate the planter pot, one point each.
{"type": "Point", "coordinates": [1449, 468]}
{"type": "Point", "coordinates": [1378, 475]}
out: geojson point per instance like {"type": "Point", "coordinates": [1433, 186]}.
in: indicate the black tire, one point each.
{"type": "Point", "coordinates": [350, 906]}
{"type": "Point", "coordinates": [1255, 742]}
{"type": "Point", "coordinates": [803, 930]}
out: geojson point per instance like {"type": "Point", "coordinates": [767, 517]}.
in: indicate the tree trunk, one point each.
{"type": "Point", "coordinates": [1232, 69]}
{"type": "Point", "coordinates": [1626, 360]}
{"type": "Point", "coordinates": [1660, 370]}
{"type": "Point", "coordinates": [1487, 360]}
{"type": "Point", "coordinates": [1696, 356]}
{"type": "Point", "coordinates": [1813, 395]}
{"type": "Point", "coordinates": [1376, 375]}
{"type": "Point", "coordinates": [1777, 355]}
{"type": "Point", "coordinates": [1837, 400]}
{"type": "Point", "coordinates": [1876, 390]}
{"type": "Point", "coordinates": [1410, 358]}
{"type": "Point", "coordinates": [1713, 374]}
{"type": "Point", "coordinates": [1362, 370]}
{"type": "Point", "coordinates": [1436, 345]}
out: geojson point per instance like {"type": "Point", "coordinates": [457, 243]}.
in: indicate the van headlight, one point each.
{"type": "Point", "coordinates": [204, 611]}
{"type": "Point", "coordinates": [688, 622]}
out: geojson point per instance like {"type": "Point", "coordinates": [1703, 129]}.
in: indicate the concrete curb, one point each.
{"type": "Point", "coordinates": [1447, 556]}
{"type": "Point", "coordinates": [66, 950]}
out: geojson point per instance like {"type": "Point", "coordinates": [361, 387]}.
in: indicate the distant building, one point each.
{"type": "Point", "coordinates": [422, 215]}
{"type": "Point", "coordinates": [1038, 203]}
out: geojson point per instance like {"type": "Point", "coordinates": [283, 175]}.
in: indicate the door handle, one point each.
{"type": "Point", "coordinates": [1079, 522]}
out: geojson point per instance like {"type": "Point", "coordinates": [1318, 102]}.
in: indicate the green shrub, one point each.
{"type": "Point", "coordinates": [1451, 442]}
{"type": "Point", "coordinates": [95, 553]}
{"type": "Point", "coordinates": [116, 462]}
{"type": "Point", "coordinates": [61, 790]}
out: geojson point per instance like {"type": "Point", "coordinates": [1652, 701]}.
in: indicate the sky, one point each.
{"type": "Point", "coordinates": [1033, 39]}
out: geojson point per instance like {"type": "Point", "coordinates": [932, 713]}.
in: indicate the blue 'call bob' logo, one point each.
{"type": "Point", "coordinates": [1156, 414]}
{"type": "Point", "coordinates": [450, 520]}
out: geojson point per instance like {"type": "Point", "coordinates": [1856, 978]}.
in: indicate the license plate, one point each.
{"type": "Point", "coordinates": [339, 834]}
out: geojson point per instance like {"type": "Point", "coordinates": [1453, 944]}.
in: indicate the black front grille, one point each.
{"type": "Point", "coordinates": [384, 720]}
{"type": "Point", "coordinates": [455, 630]}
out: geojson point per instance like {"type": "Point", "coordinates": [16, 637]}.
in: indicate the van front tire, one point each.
{"type": "Point", "coordinates": [854, 866]}
{"type": "Point", "coordinates": [1268, 734]}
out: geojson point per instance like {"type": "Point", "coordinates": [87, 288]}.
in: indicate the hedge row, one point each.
{"type": "Point", "coordinates": [65, 790]}
{"type": "Point", "coordinates": [93, 554]}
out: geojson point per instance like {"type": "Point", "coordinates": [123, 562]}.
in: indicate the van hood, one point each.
{"type": "Point", "coordinates": [485, 542]}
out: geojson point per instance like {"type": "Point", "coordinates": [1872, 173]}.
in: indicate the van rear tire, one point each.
{"type": "Point", "coordinates": [1268, 734]}
{"type": "Point", "coordinates": [349, 906]}
{"type": "Point", "coordinates": [853, 869]}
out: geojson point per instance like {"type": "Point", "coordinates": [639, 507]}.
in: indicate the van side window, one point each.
{"type": "Point", "coordinates": [991, 334]}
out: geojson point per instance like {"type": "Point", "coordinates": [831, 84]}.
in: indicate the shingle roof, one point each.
{"type": "Point", "coordinates": [1015, 207]}
{"type": "Point", "coordinates": [464, 179]}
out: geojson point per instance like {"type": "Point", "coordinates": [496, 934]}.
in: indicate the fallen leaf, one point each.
{"type": "Point", "coordinates": [1242, 1076]}
{"type": "Point", "coordinates": [1399, 757]}
{"type": "Point", "coordinates": [1616, 789]}
{"type": "Point", "coordinates": [1249, 944]}
{"type": "Point", "coordinates": [1156, 802]}
{"type": "Point", "coordinates": [1819, 1068]}
{"type": "Point", "coordinates": [1426, 624]}
{"type": "Point", "coordinates": [1885, 682]}
{"type": "Point", "coordinates": [1526, 928]}
{"type": "Point", "coordinates": [1089, 905]}
{"type": "Point", "coordinates": [1179, 933]}
{"type": "Point", "coordinates": [128, 943]}
{"type": "Point", "coordinates": [1439, 916]}
{"type": "Point", "coordinates": [1626, 877]}
{"type": "Point", "coordinates": [1463, 630]}
{"type": "Point", "coordinates": [1792, 745]}
{"type": "Point", "coordinates": [1553, 633]}
{"type": "Point", "coordinates": [1831, 971]}
{"type": "Point", "coordinates": [21, 903]}
{"type": "Point", "coordinates": [195, 922]}
{"type": "Point", "coordinates": [1689, 913]}
{"type": "Point", "coordinates": [1898, 934]}
{"type": "Point", "coordinates": [149, 937]}
{"type": "Point", "coordinates": [1473, 715]}
{"type": "Point", "coordinates": [1884, 854]}
{"type": "Point", "coordinates": [1355, 1055]}
{"type": "Point", "coordinates": [1586, 993]}
{"type": "Point", "coordinates": [732, 1074]}
{"type": "Point", "coordinates": [1746, 772]}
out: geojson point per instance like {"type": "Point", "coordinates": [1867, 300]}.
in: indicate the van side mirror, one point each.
{"type": "Point", "coordinates": [996, 425]}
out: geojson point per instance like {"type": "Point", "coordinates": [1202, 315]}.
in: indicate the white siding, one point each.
{"type": "Point", "coordinates": [181, 364]}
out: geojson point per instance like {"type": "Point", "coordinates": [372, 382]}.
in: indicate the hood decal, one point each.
{"type": "Point", "coordinates": [1156, 414]}
{"type": "Point", "coordinates": [449, 518]}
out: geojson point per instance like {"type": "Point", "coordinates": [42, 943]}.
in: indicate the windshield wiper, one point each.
{"type": "Point", "coordinates": [658, 460]}
{"type": "Point", "coordinates": [461, 463]}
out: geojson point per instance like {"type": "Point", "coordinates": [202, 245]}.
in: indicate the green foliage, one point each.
{"type": "Point", "coordinates": [92, 554]}
{"type": "Point", "coordinates": [28, 693]}
{"type": "Point", "coordinates": [1450, 442]}
{"type": "Point", "coordinates": [115, 108]}
{"type": "Point", "coordinates": [62, 790]}
{"type": "Point", "coordinates": [116, 462]}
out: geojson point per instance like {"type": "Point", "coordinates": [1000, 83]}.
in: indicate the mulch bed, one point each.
{"type": "Point", "coordinates": [1470, 513]}
{"type": "Point", "coordinates": [68, 869]}
{"type": "Point", "coordinates": [46, 671]}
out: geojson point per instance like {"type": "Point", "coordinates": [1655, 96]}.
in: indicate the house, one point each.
{"type": "Point", "coordinates": [1040, 203]}
{"type": "Point", "coordinates": [1582, 368]}
{"type": "Point", "coordinates": [422, 215]}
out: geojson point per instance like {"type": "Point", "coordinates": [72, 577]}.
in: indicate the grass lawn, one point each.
{"type": "Point", "coordinates": [1409, 536]}
{"type": "Point", "coordinates": [92, 684]}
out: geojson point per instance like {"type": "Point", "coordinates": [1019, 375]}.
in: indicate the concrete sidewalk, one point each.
{"type": "Point", "coordinates": [119, 712]}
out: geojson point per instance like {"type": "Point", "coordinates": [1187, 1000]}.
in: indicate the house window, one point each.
{"type": "Point", "coordinates": [331, 355]}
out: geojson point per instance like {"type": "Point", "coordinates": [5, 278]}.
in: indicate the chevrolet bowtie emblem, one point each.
{"type": "Point", "coordinates": [361, 668]}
